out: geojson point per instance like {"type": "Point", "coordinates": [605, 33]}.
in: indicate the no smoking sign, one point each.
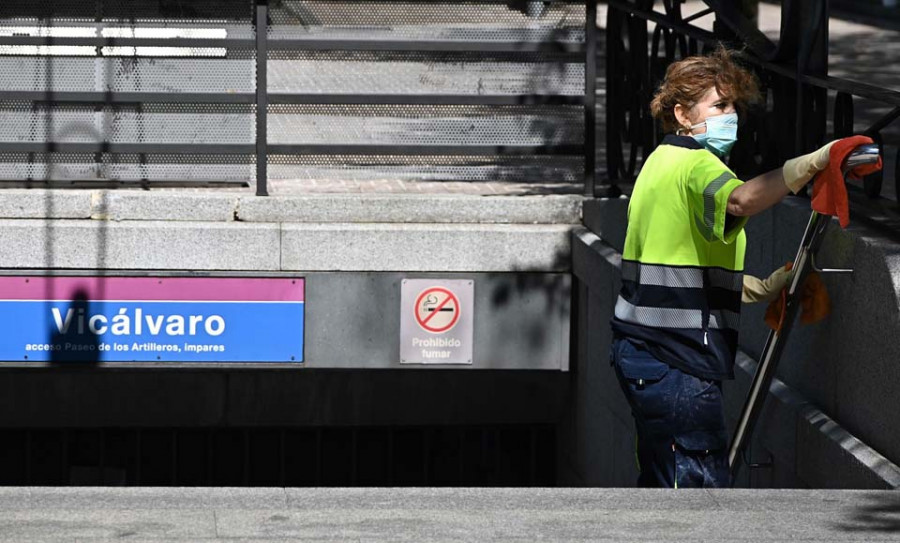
{"type": "Point", "coordinates": [436, 321]}
{"type": "Point", "coordinates": [437, 310]}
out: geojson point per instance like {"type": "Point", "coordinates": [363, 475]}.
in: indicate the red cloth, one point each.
{"type": "Point", "coordinates": [829, 191]}
{"type": "Point", "coordinates": [815, 304]}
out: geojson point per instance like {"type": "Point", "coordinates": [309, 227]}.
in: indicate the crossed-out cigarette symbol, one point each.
{"type": "Point", "coordinates": [437, 310]}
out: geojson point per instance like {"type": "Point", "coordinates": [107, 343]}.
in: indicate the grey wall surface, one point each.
{"type": "Point", "coordinates": [352, 321]}
{"type": "Point", "coordinates": [596, 434]}
{"type": "Point", "coordinates": [521, 320]}
{"type": "Point", "coordinates": [829, 420]}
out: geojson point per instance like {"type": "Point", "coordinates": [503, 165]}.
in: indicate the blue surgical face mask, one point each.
{"type": "Point", "coordinates": [720, 135]}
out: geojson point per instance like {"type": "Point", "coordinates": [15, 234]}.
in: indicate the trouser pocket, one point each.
{"type": "Point", "coordinates": [701, 441]}
{"type": "Point", "coordinates": [645, 381]}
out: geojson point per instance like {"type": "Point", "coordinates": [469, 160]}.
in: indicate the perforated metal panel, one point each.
{"type": "Point", "coordinates": [126, 168]}
{"type": "Point", "coordinates": [66, 74]}
{"type": "Point", "coordinates": [530, 169]}
{"type": "Point", "coordinates": [425, 125]}
{"type": "Point", "coordinates": [133, 55]}
{"type": "Point", "coordinates": [89, 11]}
{"type": "Point", "coordinates": [349, 13]}
{"type": "Point", "coordinates": [523, 68]}
{"type": "Point", "coordinates": [108, 70]}
{"type": "Point", "coordinates": [417, 73]}
{"type": "Point", "coordinates": [150, 123]}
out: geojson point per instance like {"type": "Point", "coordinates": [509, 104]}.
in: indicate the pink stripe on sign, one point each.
{"type": "Point", "coordinates": [211, 289]}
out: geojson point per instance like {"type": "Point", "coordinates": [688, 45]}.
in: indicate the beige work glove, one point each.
{"type": "Point", "coordinates": [798, 171]}
{"type": "Point", "coordinates": [765, 290]}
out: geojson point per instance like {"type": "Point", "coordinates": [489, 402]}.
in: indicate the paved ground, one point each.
{"type": "Point", "coordinates": [520, 515]}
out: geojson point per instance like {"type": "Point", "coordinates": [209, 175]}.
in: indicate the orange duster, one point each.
{"type": "Point", "coordinates": [815, 304]}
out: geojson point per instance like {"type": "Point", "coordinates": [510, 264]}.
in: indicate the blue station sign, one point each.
{"type": "Point", "coordinates": [147, 319]}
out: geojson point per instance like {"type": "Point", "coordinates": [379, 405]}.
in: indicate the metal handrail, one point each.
{"type": "Point", "coordinates": [804, 262]}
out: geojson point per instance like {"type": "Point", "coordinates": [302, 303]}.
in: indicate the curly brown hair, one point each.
{"type": "Point", "coordinates": [689, 79]}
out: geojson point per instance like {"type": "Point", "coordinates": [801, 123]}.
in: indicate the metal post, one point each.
{"type": "Point", "coordinates": [262, 103]}
{"type": "Point", "coordinates": [811, 17]}
{"type": "Point", "coordinates": [614, 26]}
{"type": "Point", "coordinates": [590, 98]}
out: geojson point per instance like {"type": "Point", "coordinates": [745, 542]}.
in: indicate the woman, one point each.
{"type": "Point", "coordinates": [676, 319]}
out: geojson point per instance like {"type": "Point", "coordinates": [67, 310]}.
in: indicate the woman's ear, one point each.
{"type": "Point", "coordinates": [681, 115]}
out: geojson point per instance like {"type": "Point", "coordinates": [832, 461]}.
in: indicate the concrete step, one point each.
{"type": "Point", "coordinates": [209, 231]}
{"type": "Point", "coordinates": [131, 205]}
{"type": "Point", "coordinates": [446, 514]}
{"type": "Point", "coordinates": [204, 246]}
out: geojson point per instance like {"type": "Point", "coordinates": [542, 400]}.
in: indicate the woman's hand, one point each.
{"type": "Point", "coordinates": [765, 290]}
{"type": "Point", "coordinates": [798, 171]}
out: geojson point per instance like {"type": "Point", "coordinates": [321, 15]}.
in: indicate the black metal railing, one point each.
{"type": "Point", "coordinates": [539, 107]}
{"type": "Point", "coordinates": [793, 72]}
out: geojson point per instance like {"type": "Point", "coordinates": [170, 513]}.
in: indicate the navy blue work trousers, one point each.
{"type": "Point", "coordinates": [680, 422]}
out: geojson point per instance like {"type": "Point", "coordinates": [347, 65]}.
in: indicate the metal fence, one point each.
{"type": "Point", "coordinates": [171, 91]}
{"type": "Point", "coordinates": [801, 99]}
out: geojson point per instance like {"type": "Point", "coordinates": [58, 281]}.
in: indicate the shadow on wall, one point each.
{"type": "Point", "coordinates": [71, 331]}
{"type": "Point", "coordinates": [555, 286]}
{"type": "Point", "coordinates": [880, 514]}
{"type": "Point", "coordinates": [85, 346]}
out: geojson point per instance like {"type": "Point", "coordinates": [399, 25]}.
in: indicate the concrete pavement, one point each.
{"type": "Point", "coordinates": [427, 514]}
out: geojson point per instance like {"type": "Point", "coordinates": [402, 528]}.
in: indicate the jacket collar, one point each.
{"type": "Point", "coordinates": [681, 141]}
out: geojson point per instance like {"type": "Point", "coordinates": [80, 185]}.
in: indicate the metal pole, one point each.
{"type": "Point", "coordinates": [262, 103]}
{"type": "Point", "coordinates": [590, 98]}
{"type": "Point", "coordinates": [612, 102]}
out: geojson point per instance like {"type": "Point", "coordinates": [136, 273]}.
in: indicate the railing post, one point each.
{"type": "Point", "coordinates": [590, 98]}
{"type": "Point", "coordinates": [811, 20]}
{"type": "Point", "coordinates": [262, 102]}
{"type": "Point", "coordinates": [613, 156]}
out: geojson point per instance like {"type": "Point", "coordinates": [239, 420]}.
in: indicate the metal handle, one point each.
{"type": "Point", "coordinates": [864, 154]}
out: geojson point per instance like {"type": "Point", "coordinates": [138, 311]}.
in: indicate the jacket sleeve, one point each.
{"type": "Point", "coordinates": [708, 186]}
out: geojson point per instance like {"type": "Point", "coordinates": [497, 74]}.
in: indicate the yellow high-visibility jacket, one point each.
{"type": "Point", "coordinates": [682, 268]}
